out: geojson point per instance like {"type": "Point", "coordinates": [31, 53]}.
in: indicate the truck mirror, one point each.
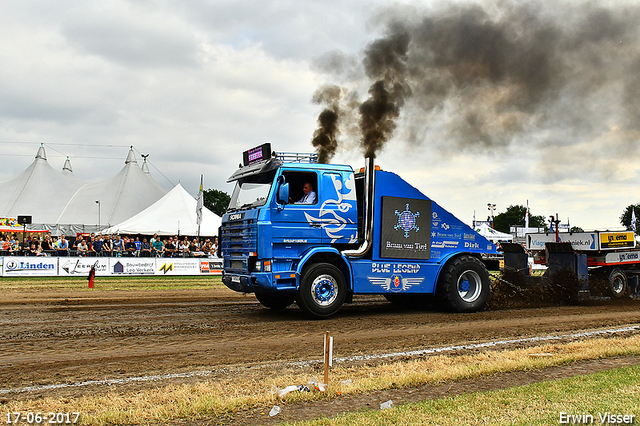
{"type": "Point", "coordinates": [283, 193]}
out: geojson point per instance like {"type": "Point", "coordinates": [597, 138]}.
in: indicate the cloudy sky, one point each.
{"type": "Point", "coordinates": [506, 102]}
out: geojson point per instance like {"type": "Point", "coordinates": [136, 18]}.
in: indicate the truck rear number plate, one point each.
{"type": "Point", "coordinates": [235, 279]}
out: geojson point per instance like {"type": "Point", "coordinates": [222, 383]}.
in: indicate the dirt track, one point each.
{"type": "Point", "coordinates": [66, 338]}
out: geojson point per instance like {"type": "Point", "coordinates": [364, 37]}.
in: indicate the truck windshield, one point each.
{"type": "Point", "coordinates": [248, 194]}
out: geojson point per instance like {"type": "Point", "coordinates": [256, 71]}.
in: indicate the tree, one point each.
{"type": "Point", "coordinates": [515, 215]}
{"type": "Point", "coordinates": [216, 201]}
{"type": "Point", "coordinates": [625, 219]}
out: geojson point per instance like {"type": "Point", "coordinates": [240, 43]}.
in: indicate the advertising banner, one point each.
{"type": "Point", "coordinates": [22, 266]}
{"type": "Point", "coordinates": [132, 266]}
{"type": "Point", "coordinates": [19, 266]}
{"type": "Point", "coordinates": [616, 240]}
{"type": "Point", "coordinates": [177, 266]}
{"type": "Point", "coordinates": [578, 240]}
{"type": "Point", "coordinates": [211, 266]}
{"type": "Point", "coordinates": [623, 257]}
{"type": "Point", "coordinates": [82, 265]}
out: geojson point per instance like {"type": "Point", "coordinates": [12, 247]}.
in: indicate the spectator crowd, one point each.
{"type": "Point", "coordinates": [108, 246]}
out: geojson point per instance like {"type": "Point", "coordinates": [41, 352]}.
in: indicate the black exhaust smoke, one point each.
{"type": "Point", "coordinates": [485, 75]}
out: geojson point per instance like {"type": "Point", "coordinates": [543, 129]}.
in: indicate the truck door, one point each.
{"type": "Point", "coordinates": [294, 224]}
{"type": "Point", "coordinates": [338, 211]}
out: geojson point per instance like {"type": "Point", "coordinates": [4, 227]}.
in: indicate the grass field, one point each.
{"type": "Point", "coordinates": [539, 404]}
{"type": "Point", "coordinates": [610, 397]}
{"type": "Point", "coordinates": [140, 283]}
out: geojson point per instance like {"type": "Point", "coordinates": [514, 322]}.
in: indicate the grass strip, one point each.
{"type": "Point", "coordinates": [142, 283]}
{"type": "Point", "coordinates": [224, 397]}
{"type": "Point", "coordinates": [608, 397]}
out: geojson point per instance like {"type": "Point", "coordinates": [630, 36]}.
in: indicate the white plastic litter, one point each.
{"type": "Point", "coordinates": [386, 404]}
{"type": "Point", "coordinates": [283, 392]}
{"type": "Point", "coordinates": [346, 382]}
{"type": "Point", "coordinates": [274, 411]}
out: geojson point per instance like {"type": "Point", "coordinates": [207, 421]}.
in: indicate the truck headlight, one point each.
{"type": "Point", "coordinates": [258, 266]}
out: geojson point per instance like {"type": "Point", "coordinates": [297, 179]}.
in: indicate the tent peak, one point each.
{"type": "Point", "coordinates": [131, 158]}
{"type": "Point", "coordinates": [145, 166]}
{"type": "Point", "coordinates": [67, 165]}
{"type": "Point", "coordinates": [41, 153]}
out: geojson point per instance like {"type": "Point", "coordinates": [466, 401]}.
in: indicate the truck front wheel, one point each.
{"type": "Point", "coordinates": [322, 290]}
{"type": "Point", "coordinates": [464, 285]}
{"type": "Point", "coordinates": [617, 280]}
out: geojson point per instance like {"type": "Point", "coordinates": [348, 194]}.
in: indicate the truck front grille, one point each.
{"type": "Point", "coordinates": [239, 239]}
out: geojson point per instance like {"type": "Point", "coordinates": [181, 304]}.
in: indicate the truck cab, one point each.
{"type": "Point", "coordinates": [367, 232]}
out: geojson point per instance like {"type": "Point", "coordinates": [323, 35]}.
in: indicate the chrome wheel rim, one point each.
{"type": "Point", "coordinates": [324, 290]}
{"type": "Point", "coordinates": [469, 286]}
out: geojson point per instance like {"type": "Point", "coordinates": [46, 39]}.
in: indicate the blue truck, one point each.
{"type": "Point", "coordinates": [366, 232]}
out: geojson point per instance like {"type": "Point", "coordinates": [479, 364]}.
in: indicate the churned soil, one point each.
{"type": "Point", "coordinates": [53, 338]}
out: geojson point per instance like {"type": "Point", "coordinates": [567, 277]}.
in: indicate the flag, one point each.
{"type": "Point", "coordinates": [526, 218]}
{"type": "Point", "coordinates": [633, 219]}
{"type": "Point", "coordinates": [199, 204]}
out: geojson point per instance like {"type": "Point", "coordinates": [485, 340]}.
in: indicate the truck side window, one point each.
{"type": "Point", "coordinates": [303, 187]}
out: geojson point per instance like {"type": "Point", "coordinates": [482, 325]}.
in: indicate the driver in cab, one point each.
{"type": "Point", "coordinates": [309, 196]}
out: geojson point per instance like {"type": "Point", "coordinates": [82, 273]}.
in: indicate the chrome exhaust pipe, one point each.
{"type": "Point", "coordinates": [369, 185]}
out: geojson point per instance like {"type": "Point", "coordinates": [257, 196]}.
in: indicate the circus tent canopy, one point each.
{"type": "Point", "coordinates": [113, 200]}
{"type": "Point", "coordinates": [39, 191]}
{"type": "Point", "coordinates": [173, 214]}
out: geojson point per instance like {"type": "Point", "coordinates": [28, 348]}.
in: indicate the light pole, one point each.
{"type": "Point", "coordinates": [98, 203]}
{"type": "Point", "coordinates": [491, 207]}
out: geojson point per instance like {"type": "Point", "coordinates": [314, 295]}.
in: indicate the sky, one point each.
{"type": "Point", "coordinates": [501, 102]}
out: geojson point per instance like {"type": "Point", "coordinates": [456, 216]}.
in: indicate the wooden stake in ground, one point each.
{"type": "Point", "coordinates": [328, 356]}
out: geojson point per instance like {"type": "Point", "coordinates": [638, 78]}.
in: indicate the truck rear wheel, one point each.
{"type": "Point", "coordinates": [275, 301]}
{"type": "Point", "coordinates": [618, 283]}
{"type": "Point", "coordinates": [322, 290]}
{"type": "Point", "coordinates": [464, 285]}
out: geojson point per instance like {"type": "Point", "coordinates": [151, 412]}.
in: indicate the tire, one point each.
{"type": "Point", "coordinates": [275, 301]}
{"type": "Point", "coordinates": [617, 283]}
{"type": "Point", "coordinates": [464, 285]}
{"type": "Point", "coordinates": [322, 290]}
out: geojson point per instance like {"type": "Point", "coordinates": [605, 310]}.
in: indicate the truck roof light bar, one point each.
{"type": "Point", "coordinates": [297, 157]}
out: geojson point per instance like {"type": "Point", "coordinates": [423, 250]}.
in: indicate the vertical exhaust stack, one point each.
{"type": "Point", "coordinates": [369, 185]}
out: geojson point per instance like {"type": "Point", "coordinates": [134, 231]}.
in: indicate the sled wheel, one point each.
{"type": "Point", "coordinates": [275, 301]}
{"type": "Point", "coordinates": [464, 285]}
{"type": "Point", "coordinates": [322, 290]}
{"type": "Point", "coordinates": [618, 283]}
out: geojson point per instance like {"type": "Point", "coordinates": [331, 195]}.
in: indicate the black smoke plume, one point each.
{"type": "Point", "coordinates": [484, 75]}
{"type": "Point", "coordinates": [325, 137]}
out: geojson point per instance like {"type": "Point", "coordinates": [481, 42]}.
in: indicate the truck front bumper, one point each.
{"type": "Point", "coordinates": [241, 283]}
{"type": "Point", "coordinates": [265, 281]}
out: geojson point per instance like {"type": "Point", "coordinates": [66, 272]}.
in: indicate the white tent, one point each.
{"type": "Point", "coordinates": [113, 200]}
{"type": "Point", "coordinates": [491, 234]}
{"type": "Point", "coordinates": [173, 214]}
{"type": "Point", "coordinates": [39, 191]}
